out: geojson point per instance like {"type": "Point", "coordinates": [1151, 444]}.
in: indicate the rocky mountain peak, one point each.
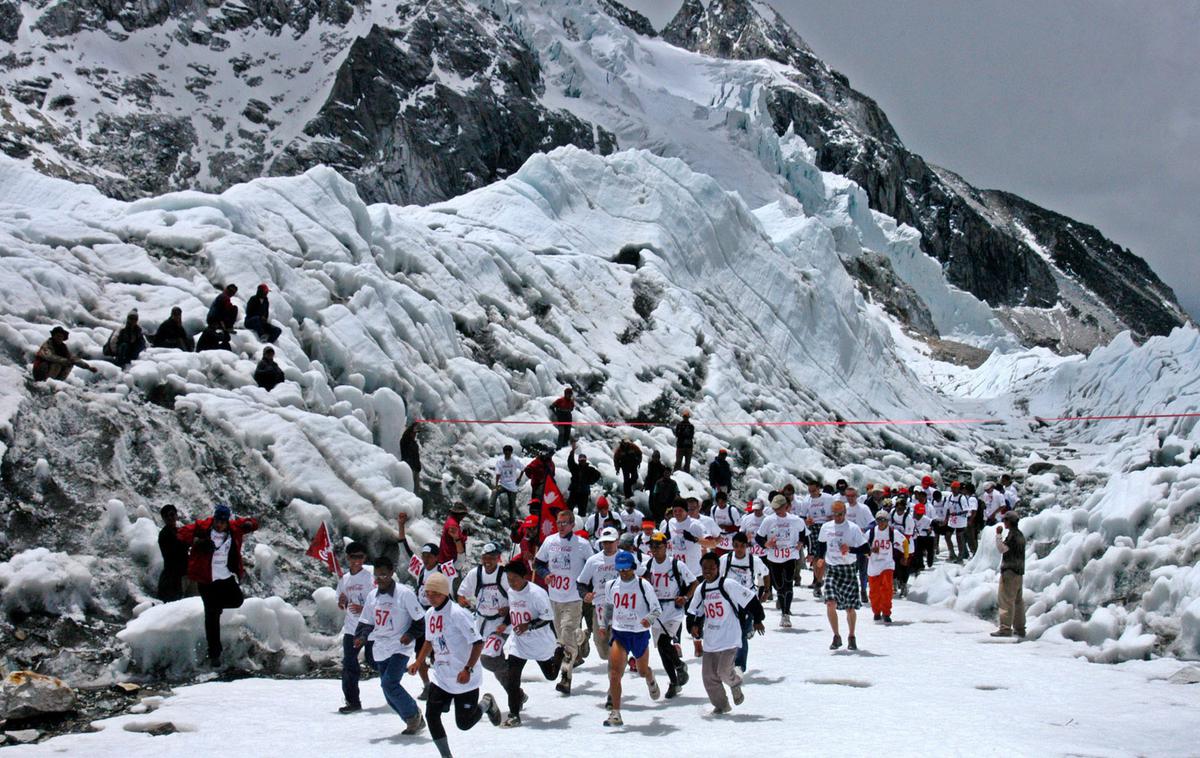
{"type": "Point", "coordinates": [738, 29]}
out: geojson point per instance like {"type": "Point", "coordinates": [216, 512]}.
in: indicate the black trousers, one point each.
{"type": "Point", "coordinates": [629, 477]}
{"type": "Point", "coordinates": [217, 596]}
{"type": "Point", "coordinates": [670, 657]}
{"type": "Point", "coordinates": [170, 585]}
{"type": "Point", "coordinates": [783, 575]}
{"type": "Point", "coordinates": [466, 710]}
{"type": "Point", "coordinates": [512, 677]}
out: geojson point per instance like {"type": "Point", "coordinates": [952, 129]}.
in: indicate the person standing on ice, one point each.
{"type": "Point", "coordinates": [267, 373]}
{"type": "Point", "coordinates": [1012, 577]}
{"type": "Point", "coordinates": [957, 515]}
{"type": "Point", "coordinates": [881, 565]}
{"type": "Point", "coordinates": [904, 543]}
{"type": "Point", "coordinates": [562, 409]}
{"type": "Point", "coordinates": [663, 496]}
{"type": "Point", "coordinates": [816, 510]}
{"type": "Point", "coordinates": [862, 516]}
{"type": "Point", "coordinates": [215, 565]}
{"type": "Point", "coordinates": [391, 623]}
{"type": "Point", "coordinates": [715, 617]}
{"type": "Point", "coordinates": [174, 555]}
{"type": "Point", "coordinates": [685, 442]}
{"type": "Point", "coordinates": [172, 333]}
{"type": "Point", "coordinates": [455, 646]}
{"type": "Point", "coordinates": [559, 562]}
{"type": "Point", "coordinates": [353, 587]}
{"type": "Point", "coordinates": [720, 473]}
{"type": "Point", "coordinates": [454, 535]}
{"type": "Point", "coordinates": [838, 544]}
{"type": "Point", "coordinates": [222, 314]}
{"type": "Point", "coordinates": [926, 539]}
{"type": "Point", "coordinates": [258, 315]}
{"type": "Point", "coordinates": [627, 459]}
{"type": "Point", "coordinates": [780, 534]}
{"type": "Point", "coordinates": [993, 503]}
{"type": "Point", "coordinates": [508, 472]}
{"type": "Point", "coordinates": [410, 453]}
{"type": "Point", "coordinates": [629, 609]}
{"type": "Point", "coordinates": [537, 471]}
{"type": "Point", "coordinates": [54, 359]}
{"type": "Point", "coordinates": [583, 476]}
{"type": "Point", "coordinates": [974, 518]}
{"type": "Point", "coordinates": [1009, 489]}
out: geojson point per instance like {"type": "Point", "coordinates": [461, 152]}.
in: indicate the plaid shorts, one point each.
{"type": "Point", "coordinates": [842, 586]}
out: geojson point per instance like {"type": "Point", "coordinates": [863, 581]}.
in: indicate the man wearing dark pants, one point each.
{"type": "Point", "coordinates": [457, 674]}
{"type": "Point", "coordinates": [780, 534]}
{"type": "Point", "coordinates": [352, 591]}
{"type": "Point", "coordinates": [1012, 577]}
{"type": "Point", "coordinates": [391, 620]}
{"type": "Point", "coordinates": [215, 565]}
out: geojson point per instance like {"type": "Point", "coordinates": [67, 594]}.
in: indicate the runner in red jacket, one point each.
{"type": "Point", "coordinates": [215, 564]}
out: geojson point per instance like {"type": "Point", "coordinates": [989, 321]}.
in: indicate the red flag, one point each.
{"type": "Point", "coordinates": [551, 498]}
{"type": "Point", "coordinates": [322, 550]}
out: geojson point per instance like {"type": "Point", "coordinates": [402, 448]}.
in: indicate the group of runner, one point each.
{"type": "Point", "coordinates": [623, 584]}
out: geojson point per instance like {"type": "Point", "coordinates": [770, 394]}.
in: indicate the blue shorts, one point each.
{"type": "Point", "coordinates": [635, 643]}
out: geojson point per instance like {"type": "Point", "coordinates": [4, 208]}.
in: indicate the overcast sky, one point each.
{"type": "Point", "coordinates": [1088, 107]}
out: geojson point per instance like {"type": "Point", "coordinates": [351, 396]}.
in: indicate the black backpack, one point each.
{"type": "Point", "coordinates": [674, 571]}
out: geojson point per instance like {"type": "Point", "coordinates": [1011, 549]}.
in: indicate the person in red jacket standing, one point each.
{"type": "Point", "coordinates": [562, 408]}
{"type": "Point", "coordinates": [454, 536]}
{"type": "Point", "coordinates": [215, 565]}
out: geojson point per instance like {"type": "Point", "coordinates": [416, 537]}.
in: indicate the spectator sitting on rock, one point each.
{"type": "Point", "coordinates": [128, 343]}
{"type": "Point", "coordinates": [172, 334]}
{"type": "Point", "coordinates": [223, 313]}
{"type": "Point", "coordinates": [268, 374]}
{"type": "Point", "coordinates": [54, 359]}
{"type": "Point", "coordinates": [258, 311]}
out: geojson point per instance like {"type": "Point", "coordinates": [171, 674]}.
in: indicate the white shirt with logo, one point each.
{"type": "Point", "coordinates": [729, 518]}
{"type": "Point", "coordinates": [835, 535]}
{"type": "Point", "coordinates": [722, 629]}
{"type": "Point", "coordinates": [666, 585]}
{"type": "Point", "coordinates": [222, 541]}
{"type": "Point", "coordinates": [528, 605]}
{"type": "Point", "coordinates": [355, 587]}
{"type": "Point", "coordinates": [631, 602]}
{"type": "Point", "coordinates": [566, 557]}
{"type": "Point", "coordinates": [599, 570]}
{"type": "Point", "coordinates": [819, 508]}
{"type": "Point", "coordinates": [787, 531]}
{"type": "Point", "coordinates": [508, 470]}
{"type": "Point", "coordinates": [881, 558]}
{"type": "Point", "coordinates": [632, 520]}
{"type": "Point", "coordinates": [686, 548]}
{"type": "Point", "coordinates": [859, 514]}
{"type": "Point", "coordinates": [391, 615]}
{"type": "Point", "coordinates": [450, 630]}
{"type": "Point", "coordinates": [958, 507]}
{"type": "Point", "coordinates": [487, 589]}
{"type": "Point", "coordinates": [746, 571]}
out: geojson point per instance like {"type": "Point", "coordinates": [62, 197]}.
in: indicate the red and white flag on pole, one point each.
{"type": "Point", "coordinates": [322, 550]}
{"type": "Point", "coordinates": [551, 498]}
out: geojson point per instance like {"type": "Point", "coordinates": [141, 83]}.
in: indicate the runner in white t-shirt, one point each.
{"type": "Point", "coordinates": [631, 518]}
{"type": "Point", "coordinates": [685, 534]}
{"type": "Point", "coordinates": [838, 545]}
{"type": "Point", "coordinates": [713, 616]}
{"type": "Point", "coordinates": [860, 515]}
{"type": "Point", "coordinates": [780, 534]}
{"type": "Point", "coordinates": [748, 570]}
{"type": "Point", "coordinates": [672, 581]}
{"type": "Point", "coordinates": [726, 515]}
{"type": "Point", "coordinates": [451, 636]}
{"type": "Point", "coordinates": [595, 576]}
{"type": "Point", "coordinates": [392, 621]}
{"type": "Point", "coordinates": [816, 511]}
{"type": "Point", "coordinates": [630, 609]}
{"type": "Point", "coordinates": [559, 561]}
{"type": "Point", "coordinates": [508, 468]}
{"type": "Point", "coordinates": [352, 590]}
{"type": "Point", "coordinates": [881, 563]}
{"type": "Point", "coordinates": [485, 589]}
{"type": "Point", "coordinates": [958, 511]}
{"type": "Point", "coordinates": [530, 619]}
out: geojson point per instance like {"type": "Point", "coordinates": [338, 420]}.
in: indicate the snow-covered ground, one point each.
{"type": "Point", "coordinates": [933, 683]}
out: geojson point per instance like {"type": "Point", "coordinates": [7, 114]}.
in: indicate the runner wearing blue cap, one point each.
{"type": "Point", "coordinates": [630, 608]}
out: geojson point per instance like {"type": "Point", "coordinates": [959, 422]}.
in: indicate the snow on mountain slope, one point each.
{"type": "Point", "coordinates": [647, 286]}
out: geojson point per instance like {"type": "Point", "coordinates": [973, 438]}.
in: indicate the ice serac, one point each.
{"type": "Point", "coordinates": [1055, 285]}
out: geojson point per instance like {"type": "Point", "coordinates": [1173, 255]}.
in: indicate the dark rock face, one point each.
{"type": "Point", "coordinates": [878, 281]}
{"type": "Point", "coordinates": [10, 20]}
{"type": "Point", "coordinates": [973, 233]}
{"type": "Point", "coordinates": [68, 17]}
{"type": "Point", "coordinates": [395, 127]}
{"type": "Point", "coordinates": [628, 17]}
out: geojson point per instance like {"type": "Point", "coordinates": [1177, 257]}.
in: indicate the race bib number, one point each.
{"type": "Point", "coordinates": [558, 582]}
{"type": "Point", "coordinates": [625, 600]}
{"type": "Point", "coordinates": [725, 542]}
{"type": "Point", "coordinates": [414, 566]}
{"type": "Point", "coordinates": [715, 609]}
{"type": "Point", "coordinates": [758, 550]}
{"type": "Point", "coordinates": [381, 617]}
{"type": "Point", "coordinates": [781, 553]}
{"type": "Point", "coordinates": [493, 645]}
{"type": "Point", "coordinates": [436, 624]}
{"type": "Point", "coordinates": [516, 618]}
{"type": "Point", "coordinates": [448, 569]}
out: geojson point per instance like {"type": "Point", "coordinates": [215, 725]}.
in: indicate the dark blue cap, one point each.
{"type": "Point", "coordinates": [625, 561]}
{"type": "Point", "coordinates": [222, 512]}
